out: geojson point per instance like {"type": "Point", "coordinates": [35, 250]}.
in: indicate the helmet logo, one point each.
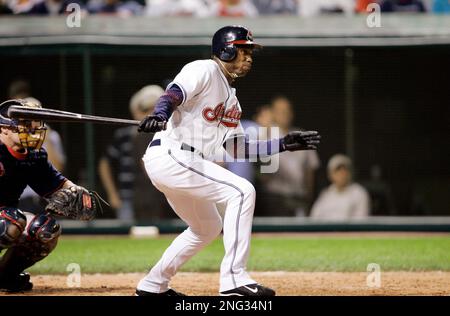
{"type": "Point", "coordinates": [249, 36]}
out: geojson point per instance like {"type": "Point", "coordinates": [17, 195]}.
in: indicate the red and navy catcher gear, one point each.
{"type": "Point", "coordinates": [12, 224]}
{"type": "Point", "coordinates": [226, 40]}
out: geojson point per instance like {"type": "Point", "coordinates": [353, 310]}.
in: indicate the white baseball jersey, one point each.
{"type": "Point", "coordinates": [210, 112]}
{"type": "Point", "coordinates": [208, 116]}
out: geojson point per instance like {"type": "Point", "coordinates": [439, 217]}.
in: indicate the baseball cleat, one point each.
{"type": "Point", "coordinates": [18, 283]}
{"type": "Point", "coordinates": [169, 292]}
{"type": "Point", "coordinates": [249, 290]}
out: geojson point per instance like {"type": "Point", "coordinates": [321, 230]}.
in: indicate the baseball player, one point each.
{"type": "Point", "coordinates": [202, 115]}
{"type": "Point", "coordinates": [30, 238]}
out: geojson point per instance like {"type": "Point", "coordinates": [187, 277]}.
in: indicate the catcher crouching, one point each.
{"type": "Point", "coordinates": [29, 238]}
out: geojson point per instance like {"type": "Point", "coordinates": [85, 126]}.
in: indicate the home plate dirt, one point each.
{"type": "Point", "coordinates": [285, 283]}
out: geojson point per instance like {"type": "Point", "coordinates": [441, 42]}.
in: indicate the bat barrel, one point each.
{"type": "Point", "coordinates": [51, 115]}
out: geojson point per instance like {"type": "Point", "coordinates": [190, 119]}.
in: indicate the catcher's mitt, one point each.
{"type": "Point", "coordinates": [75, 202]}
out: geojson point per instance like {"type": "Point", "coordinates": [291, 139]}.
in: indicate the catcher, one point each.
{"type": "Point", "coordinates": [29, 238]}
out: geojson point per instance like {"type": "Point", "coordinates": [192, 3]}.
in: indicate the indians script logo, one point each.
{"type": "Point", "coordinates": [2, 170]}
{"type": "Point", "coordinates": [228, 118]}
{"type": "Point", "coordinates": [249, 36]}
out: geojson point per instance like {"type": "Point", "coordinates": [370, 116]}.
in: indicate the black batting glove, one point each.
{"type": "Point", "coordinates": [307, 140]}
{"type": "Point", "coordinates": [152, 124]}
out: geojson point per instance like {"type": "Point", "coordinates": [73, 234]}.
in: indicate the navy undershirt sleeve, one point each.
{"type": "Point", "coordinates": [168, 102]}
{"type": "Point", "coordinates": [242, 147]}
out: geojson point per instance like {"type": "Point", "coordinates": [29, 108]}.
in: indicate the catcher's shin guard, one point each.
{"type": "Point", "coordinates": [43, 232]}
{"type": "Point", "coordinates": [12, 224]}
{"type": "Point", "coordinates": [43, 228]}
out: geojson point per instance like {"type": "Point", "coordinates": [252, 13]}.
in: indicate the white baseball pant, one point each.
{"type": "Point", "coordinates": [193, 186]}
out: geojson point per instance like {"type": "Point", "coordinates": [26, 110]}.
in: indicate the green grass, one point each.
{"type": "Point", "coordinates": [122, 254]}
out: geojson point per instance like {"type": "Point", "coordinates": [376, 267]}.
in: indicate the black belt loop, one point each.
{"type": "Point", "coordinates": [190, 148]}
{"type": "Point", "coordinates": [157, 142]}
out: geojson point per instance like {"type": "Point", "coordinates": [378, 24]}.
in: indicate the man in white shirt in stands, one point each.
{"type": "Point", "coordinates": [343, 199]}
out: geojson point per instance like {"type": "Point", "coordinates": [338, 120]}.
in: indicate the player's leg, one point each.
{"type": "Point", "coordinates": [34, 244]}
{"type": "Point", "coordinates": [205, 224]}
{"type": "Point", "coordinates": [203, 180]}
{"type": "Point", "coordinates": [12, 224]}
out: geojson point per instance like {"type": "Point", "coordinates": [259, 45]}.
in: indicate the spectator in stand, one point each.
{"type": "Point", "coordinates": [441, 6]}
{"type": "Point", "coordinates": [343, 199]}
{"type": "Point", "coordinates": [268, 7]}
{"type": "Point", "coordinates": [196, 8]}
{"type": "Point", "coordinates": [53, 7]}
{"type": "Point", "coordinates": [361, 5]}
{"type": "Point", "coordinates": [19, 89]}
{"type": "Point", "coordinates": [115, 7]}
{"type": "Point", "coordinates": [308, 8]}
{"type": "Point", "coordinates": [381, 197]}
{"type": "Point", "coordinates": [4, 9]}
{"type": "Point", "coordinates": [17, 6]}
{"type": "Point", "coordinates": [402, 6]}
{"type": "Point", "coordinates": [264, 119]}
{"type": "Point", "coordinates": [121, 168]}
{"type": "Point", "coordinates": [233, 8]}
{"type": "Point", "coordinates": [291, 188]}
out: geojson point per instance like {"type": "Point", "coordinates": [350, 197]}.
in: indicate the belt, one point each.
{"type": "Point", "coordinates": [157, 142]}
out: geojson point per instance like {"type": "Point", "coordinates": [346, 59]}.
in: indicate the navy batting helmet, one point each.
{"type": "Point", "coordinates": [225, 40]}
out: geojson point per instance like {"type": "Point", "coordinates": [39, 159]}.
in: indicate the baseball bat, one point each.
{"type": "Point", "coordinates": [51, 115]}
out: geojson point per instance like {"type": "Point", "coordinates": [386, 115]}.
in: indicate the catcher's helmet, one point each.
{"type": "Point", "coordinates": [5, 120]}
{"type": "Point", "coordinates": [31, 133]}
{"type": "Point", "coordinates": [225, 40]}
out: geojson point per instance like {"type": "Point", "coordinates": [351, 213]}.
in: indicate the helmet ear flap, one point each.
{"type": "Point", "coordinates": [228, 53]}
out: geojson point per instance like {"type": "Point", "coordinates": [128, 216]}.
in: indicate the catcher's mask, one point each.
{"type": "Point", "coordinates": [31, 133]}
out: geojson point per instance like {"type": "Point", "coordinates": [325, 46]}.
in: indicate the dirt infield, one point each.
{"type": "Point", "coordinates": [286, 283]}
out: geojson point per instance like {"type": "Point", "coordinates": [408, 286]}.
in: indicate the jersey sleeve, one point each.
{"type": "Point", "coordinates": [45, 179]}
{"type": "Point", "coordinates": [192, 79]}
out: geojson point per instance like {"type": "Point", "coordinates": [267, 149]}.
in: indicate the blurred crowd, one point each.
{"type": "Point", "coordinates": [219, 8]}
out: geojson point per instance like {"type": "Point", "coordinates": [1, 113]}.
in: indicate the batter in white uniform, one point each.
{"type": "Point", "coordinates": [202, 115]}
